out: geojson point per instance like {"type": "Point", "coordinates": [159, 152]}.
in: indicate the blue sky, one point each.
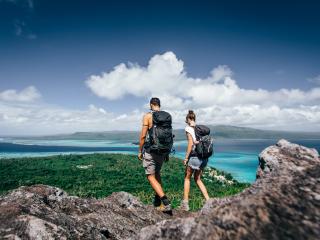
{"type": "Point", "coordinates": [55, 47]}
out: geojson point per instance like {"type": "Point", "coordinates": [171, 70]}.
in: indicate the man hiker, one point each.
{"type": "Point", "coordinates": [156, 141]}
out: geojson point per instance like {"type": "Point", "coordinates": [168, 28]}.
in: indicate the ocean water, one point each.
{"type": "Point", "coordinates": [242, 166]}
{"type": "Point", "coordinates": [238, 157]}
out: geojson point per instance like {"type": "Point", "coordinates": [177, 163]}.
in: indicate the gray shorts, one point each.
{"type": "Point", "coordinates": [197, 164]}
{"type": "Point", "coordinates": [152, 163]}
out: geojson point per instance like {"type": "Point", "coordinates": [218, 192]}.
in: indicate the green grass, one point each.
{"type": "Point", "coordinates": [108, 173]}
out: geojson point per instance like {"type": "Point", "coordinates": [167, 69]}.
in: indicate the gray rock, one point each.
{"type": "Point", "coordinates": [44, 212]}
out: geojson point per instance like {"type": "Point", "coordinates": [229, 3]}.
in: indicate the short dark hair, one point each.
{"type": "Point", "coordinates": [155, 101]}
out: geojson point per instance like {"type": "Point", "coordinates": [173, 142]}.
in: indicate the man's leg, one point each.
{"type": "Point", "coordinates": [158, 177]}
{"type": "Point", "coordinates": [152, 166]}
{"type": "Point", "coordinates": [155, 184]}
{"type": "Point", "coordinates": [157, 199]}
{"type": "Point", "coordinates": [154, 177]}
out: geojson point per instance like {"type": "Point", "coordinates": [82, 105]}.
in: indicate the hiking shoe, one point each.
{"type": "Point", "coordinates": [156, 201]}
{"type": "Point", "coordinates": [165, 209]}
{"type": "Point", "coordinates": [184, 205]}
{"type": "Point", "coordinates": [166, 206]}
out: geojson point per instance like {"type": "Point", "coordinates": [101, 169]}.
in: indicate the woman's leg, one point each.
{"type": "Point", "coordinates": [187, 178]}
{"type": "Point", "coordinates": [202, 187]}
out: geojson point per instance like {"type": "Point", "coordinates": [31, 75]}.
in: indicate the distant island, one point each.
{"type": "Point", "coordinates": [218, 131]}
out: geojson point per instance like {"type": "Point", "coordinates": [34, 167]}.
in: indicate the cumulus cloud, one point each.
{"type": "Point", "coordinates": [218, 98]}
{"type": "Point", "coordinates": [28, 94]}
{"type": "Point", "coordinates": [165, 76]}
{"type": "Point", "coordinates": [220, 73]}
{"type": "Point", "coordinates": [162, 75]}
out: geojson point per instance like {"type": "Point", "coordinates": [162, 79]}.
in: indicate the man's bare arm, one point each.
{"type": "Point", "coordinates": [145, 127]}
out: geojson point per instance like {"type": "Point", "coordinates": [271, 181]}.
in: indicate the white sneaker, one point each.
{"type": "Point", "coordinates": [184, 205]}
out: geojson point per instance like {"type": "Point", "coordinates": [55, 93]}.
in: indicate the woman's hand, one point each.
{"type": "Point", "coordinates": [140, 156]}
{"type": "Point", "coordinates": [185, 161]}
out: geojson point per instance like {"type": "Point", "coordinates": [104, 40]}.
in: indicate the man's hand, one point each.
{"type": "Point", "coordinates": [140, 156]}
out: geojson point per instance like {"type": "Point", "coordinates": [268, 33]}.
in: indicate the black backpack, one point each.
{"type": "Point", "coordinates": [204, 149]}
{"type": "Point", "coordinates": [160, 135]}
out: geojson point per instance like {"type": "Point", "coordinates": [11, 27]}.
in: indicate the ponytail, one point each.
{"type": "Point", "coordinates": [191, 115]}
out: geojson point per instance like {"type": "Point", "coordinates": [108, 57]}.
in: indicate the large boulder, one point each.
{"type": "Point", "coordinates": [283, 203]}
{"type": "Point", "coordinates": [44, 212]}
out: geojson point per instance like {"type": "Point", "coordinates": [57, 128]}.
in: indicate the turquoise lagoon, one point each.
{"type": "Point", "coordinates": [238, 157]}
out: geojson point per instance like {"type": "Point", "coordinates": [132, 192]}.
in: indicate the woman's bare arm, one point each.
{"type": "Point", "coordinates": [189, 147]}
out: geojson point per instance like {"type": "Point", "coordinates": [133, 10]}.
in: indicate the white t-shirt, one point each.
{"type": "Point", "coordinates": [190, 130]}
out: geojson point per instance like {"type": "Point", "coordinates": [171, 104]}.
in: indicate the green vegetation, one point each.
{"type": "Point", "coordinates": [98, 175]}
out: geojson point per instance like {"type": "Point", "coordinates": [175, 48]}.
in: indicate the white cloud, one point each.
{"type": "Point", "coordinates": [220, 73]}
{"type": "Point", "coordinates": [217, 98]}
{"type": "Point", "coordinates": [39, 119]}
{"type": "Point", "coordinates": [22, 114]}
{"type": "Point", "coordinates": [28, 94]}
{"type": "Point", "coordinates": [315, 80]}
{"type": "Point", "coordinates": [165, 76]}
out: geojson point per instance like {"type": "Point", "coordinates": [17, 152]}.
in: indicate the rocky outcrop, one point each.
{"type": "Point", "coordinates": [44, 212]}
{"type": "Point", "coordinates": [284, 203]}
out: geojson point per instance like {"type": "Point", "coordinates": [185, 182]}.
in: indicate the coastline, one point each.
{"type": "Point", "coordinates": [109, 173]}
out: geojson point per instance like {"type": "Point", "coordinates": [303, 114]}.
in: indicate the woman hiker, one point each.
{"type": "Point", "coordinates": [194, 165]}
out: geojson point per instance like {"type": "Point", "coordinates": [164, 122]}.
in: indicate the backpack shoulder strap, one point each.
{"type": "Point", "coordinates": [196, 133]}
